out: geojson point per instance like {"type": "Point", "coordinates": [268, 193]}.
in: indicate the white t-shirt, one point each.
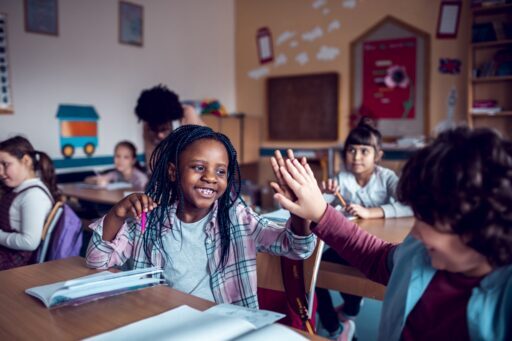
{"type": "Point", "coordinates": [186, 267]}
{"type": "Point", "coordinates": [27, 215]}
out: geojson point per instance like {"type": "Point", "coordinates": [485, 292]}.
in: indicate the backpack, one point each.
{"type": "Point", "coordinates": [66, 239]}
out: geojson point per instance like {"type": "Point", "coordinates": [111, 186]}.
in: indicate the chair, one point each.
{"type": "Point", "coordinates": [270, 279]}
{"type": "Point", "coordinates": [49, 226]}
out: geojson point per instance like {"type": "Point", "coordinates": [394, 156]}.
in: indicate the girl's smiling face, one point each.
{"type": "Point", "coordinates": [203, 169]}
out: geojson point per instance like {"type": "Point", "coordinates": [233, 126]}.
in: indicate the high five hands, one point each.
{"type": "Point", "coordinates": [297, 190]}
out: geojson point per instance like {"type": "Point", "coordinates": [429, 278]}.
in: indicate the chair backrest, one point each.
{"type": "Point", "coordinates": [270, 274]}
{"type": "Point", "coordinates": [49, 226]}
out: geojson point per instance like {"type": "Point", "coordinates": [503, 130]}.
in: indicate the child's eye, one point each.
{"type": "Point", "coordinates": [221, 172]}
{"type": "Point", "coordinates": [198, 168]}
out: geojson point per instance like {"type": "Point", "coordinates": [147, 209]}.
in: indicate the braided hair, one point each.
{"type": "Point", "coordinates": [166, 192]}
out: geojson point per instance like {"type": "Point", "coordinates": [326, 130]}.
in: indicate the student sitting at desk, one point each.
{"type": "Point", "coordinates": [28, 178]}
{"type": "Point", "coordinates": [451, 278]}
{"type": "Point", "coordinates": [201, 232]}
{"type": "Point", "coordinates": [127, 168]}
{"type": "Point", "coordinates": [370, 192]}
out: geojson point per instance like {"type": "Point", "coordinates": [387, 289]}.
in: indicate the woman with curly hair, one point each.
{"type": "Point", "coordinates": [161, 111]}
{"type": "Point", "coordinates": [451, 278]}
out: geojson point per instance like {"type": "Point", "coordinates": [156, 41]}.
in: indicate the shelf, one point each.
{"type": "Point", "coordinates": [491, 79]}
{"type": "Point", "coordinates": [492, 10]}
{"type": "Point", "coordinates": [491, 44]}
{"type": "Point", "coordinates": [501, 113]}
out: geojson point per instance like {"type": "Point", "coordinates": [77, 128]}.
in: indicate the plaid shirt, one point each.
{"type": "Point", "coordinates": [236, 283]}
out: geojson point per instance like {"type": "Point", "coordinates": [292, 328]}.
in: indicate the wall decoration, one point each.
{"type": "Point", "coordinates": [326, 11]}
{"type": "Point", "coordinates": [327, 53]}
{"type": "Point", "coordinates": [351, 4]}
{"type": "Point", "coordinates": [41, 16]}
{"type": "Point", "coordinates": [448, 21]}
{"type": "Point", "coordinates": [78, 128]}
{"type": "Point", "coordinates": [389, 75]}
{"type": "Point", "coordinates": [281, 59]}
{"type": "Point", "coordinates": [264, 43]}
{"type": "Point", "coordinates": [285, 36]}
{"type": "Point", "coordinates": [131, 23]}
{"type": "Point", "coordinates": [294, 44]}
{"type": "Point", "coordinates": [312, 35]}
{"type": "Point", "coordinates": [390, 78]}
{"type": "Point", "coordinates": [5, 86]}
{"type": "Point", "coordinates": [302, 58]}
{"type": "Point", "coordinates": [333, 25]}
{"type": "Point", "coordinates": [258, 73]}
{"type": "Point", "coordinates": [318, 4]}
{"type": "Point", "coordinates": [449, 66]}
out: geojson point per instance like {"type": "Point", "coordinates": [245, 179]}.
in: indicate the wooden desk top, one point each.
{"type": "Point", "coordinates": [393, 230]}
{"type": "Point", "coordinates": [100, 196]}
{"type": "Point", "coordinates": [23, 317]}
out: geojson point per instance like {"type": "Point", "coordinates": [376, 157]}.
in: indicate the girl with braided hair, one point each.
{"type": "Point", "coordinates": [198, 228]}
{"type": "Point", "coordinates": [28, 178]}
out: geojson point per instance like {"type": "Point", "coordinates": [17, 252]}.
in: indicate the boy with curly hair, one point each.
{"type": "Point", "coordinates": [161, 111]}
{"type": "Point", "coordinates": [451, 278]}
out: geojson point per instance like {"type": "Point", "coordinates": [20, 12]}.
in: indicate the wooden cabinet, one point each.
{"type": "Point", "coordinates": [490, 68]}
{"type": "Point", "coordinates": [244, 132]}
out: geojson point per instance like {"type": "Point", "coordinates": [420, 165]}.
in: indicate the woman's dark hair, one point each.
{"type": "Point", "coordinates": [19, 146]}
{"type": "Point", "coordinates": [462, 183]}
{"type": "Point", "coordinates": [133, 150]}
{"type": "Point", "coordinates": [158, 105]}
{"type": "Point", "coordinates": [365, 133]}
{"type": "Point", "coordinates": [166, 192]}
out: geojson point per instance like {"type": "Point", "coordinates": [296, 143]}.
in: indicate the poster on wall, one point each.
{"type": "Point", "coordinates": [5, 87]}
{"type": "Point", "coordinates": [389, 78]}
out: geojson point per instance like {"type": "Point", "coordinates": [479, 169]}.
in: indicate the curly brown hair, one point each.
{"type": "Point", "coordinates": [463, 180]}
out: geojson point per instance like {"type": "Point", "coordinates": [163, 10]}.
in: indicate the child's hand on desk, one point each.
{"type": "Point", "coordinates": [330, 186]}
{"type": "Point", "coordinates": [101, 181]}
{"type": "Point", "coordinates": [133, 206]}
{"type": "Point", "coordinates": [309, 203]}
{"type": "Point", "coordinates": [358, 211]}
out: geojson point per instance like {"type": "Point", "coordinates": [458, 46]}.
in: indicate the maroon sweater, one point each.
{"type": "Point", "coordinates": [429, 318]}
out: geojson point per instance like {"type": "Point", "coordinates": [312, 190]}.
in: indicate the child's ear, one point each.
{"type": "Point", "coordinates": [172, 172]}
{"type": "Point", "coordinates": [379, 155]}
{"type": "Point", "coordinates": [27, 160]}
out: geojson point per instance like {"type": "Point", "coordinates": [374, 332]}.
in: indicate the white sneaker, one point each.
{"type": "Point", "coordinates": [349, 329]}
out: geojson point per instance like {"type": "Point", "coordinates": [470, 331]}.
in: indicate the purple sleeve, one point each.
{"type": "Point", "coordinates": [362, 250]}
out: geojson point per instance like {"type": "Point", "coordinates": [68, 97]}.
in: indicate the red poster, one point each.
{"type": "Point", "coordinates": [389, 78]}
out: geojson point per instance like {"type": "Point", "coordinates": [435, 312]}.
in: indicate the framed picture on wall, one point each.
{"type": "Point", "coordinates": [41, 16]}
{"type": "Point", "coordinates": [131, 23]}
{"type": "Point", "coordinates": [448, 21]}
{"type": "Point", "coordinates": [5, 87]}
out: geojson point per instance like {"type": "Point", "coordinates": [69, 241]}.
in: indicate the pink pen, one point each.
{"type": "Point", "coordinates": [143, 222]}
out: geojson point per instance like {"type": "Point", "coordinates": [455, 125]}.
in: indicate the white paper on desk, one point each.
{"type": "Point", "coordinates": [182, 323]}
{"type": "Point", "coordinates": [258, 318]}
{"type": "Point", "coordinates": [331, 199]}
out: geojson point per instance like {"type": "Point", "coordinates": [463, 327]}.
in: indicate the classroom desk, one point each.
{"type": "Point", "coordinates": [350, 280]}
{"type": "Point", "coordinates": [99, 196]}
{"type": "Point", "coordinates": [23, 317]}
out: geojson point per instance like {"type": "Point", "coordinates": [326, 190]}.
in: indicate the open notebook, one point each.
{"type": "Point", "coordinates": [95, 286]}
{"type": "Point", "coordinates": [110, 186]}
{"type": "Point", "coordinates": [221, 322]}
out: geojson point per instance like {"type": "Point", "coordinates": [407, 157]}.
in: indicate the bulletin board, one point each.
{"type": "Point", "coordinates": [303, 107]}
{"type": "Point", "coordinates": [379, 57]}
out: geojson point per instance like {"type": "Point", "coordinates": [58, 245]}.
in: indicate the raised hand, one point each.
{"type": "Point", "coordinates": [330, 186]}
{"type": "Point", "coordinates": [276, 162]}
{"type": "Point", "coordinates": [133, 205]}
{"type": "Point", "coordinates": [310, 203]}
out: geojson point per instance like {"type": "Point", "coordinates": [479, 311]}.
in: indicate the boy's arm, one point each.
{"type": "Point", "coordinates": [149, 144]}
{"type": "Point", "coordinates": [362, 250]}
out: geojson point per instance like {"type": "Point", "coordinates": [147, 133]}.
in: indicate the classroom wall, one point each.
{"type": "Point", "coordinates": [355, 17]}
{"type": "Point", "coordinates": [188, 45]}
